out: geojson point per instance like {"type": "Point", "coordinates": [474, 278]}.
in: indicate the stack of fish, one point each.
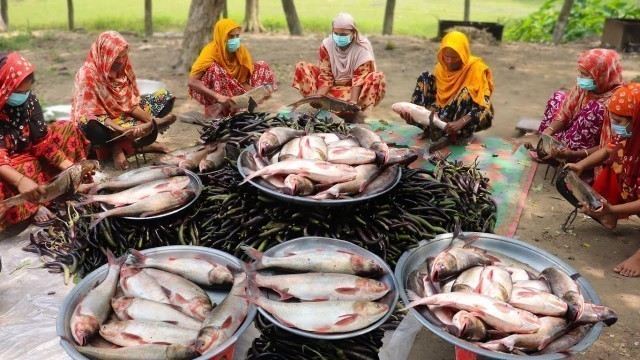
{"type": "Point", "coordinates": [207, 157]}
{"type": "Point", "coordinates": [156, 309]}
{"type": "Point", "coordinates": [152, 190]}
{"type": "Point", "coordinates": [500, 304]}
{"type": "Point", "coordinates": [334, 297]}
{"type": "Point", "coordinates": [325, 165]}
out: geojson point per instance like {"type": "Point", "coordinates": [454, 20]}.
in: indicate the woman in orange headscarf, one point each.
{"type": "Point", "coordinates": [619, 183]}
{"type": "Point", "coordinates": [224, 69]}
{"type": "Point", "coordinates": [459, 91]}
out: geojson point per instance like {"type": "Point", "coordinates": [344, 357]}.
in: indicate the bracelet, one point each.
{"type": "Point", "coordinates": [18, 182]}
{"type": "Point", "coordinates": [552, 129]}
{"type": "Point", "coordinates": [586, 153]}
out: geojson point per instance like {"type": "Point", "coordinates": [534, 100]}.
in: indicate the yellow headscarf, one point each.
{"type": "Point", "coordinates": [237, 64]}
{"type": "Point", "coordinates": [475, 75]}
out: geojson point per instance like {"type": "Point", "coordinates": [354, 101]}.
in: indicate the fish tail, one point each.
{"type": "Point", "coordinates": [255, 255]}
{"type": "Point", "coordinates": [110, 258]}
{"type": "Point", "coordinates": [415, 303]}
{"type": "Point", "coordinates": [98, 218]}
{"type": "Point", "coordinates": [87, 199]}
{"type": "Point", "coordinates": [138, 258]}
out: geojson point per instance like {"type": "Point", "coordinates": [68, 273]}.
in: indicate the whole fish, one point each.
{"type": "Point", "coordinates": [419, 115]}
{"type": "Point", "coordinates": [147, 352]}
{"type": "Point", "coordinates": [455, 260]}
{"type": "Point", "coordinates": [214, 160]}
{"type": "Point", "coordinates": [351, 155]}
{"type": "Point", "coordinates": [223, 321]}
{"type": "Point", "coordinates": [495, 282]}
{"type": "Point", "coordinates": [258, 94]}
{"type": "Point", "coordinates": [329, 137]}
{"type": "Point", "coordinates": [318, 171]}
{"type": "Point", "coordinates": [191, 158]}
{"type": "Point", "coordinates": [401, 156]}
{"type": "Point", "coordinates": [194, 268]}
{"type": "Point", "coordinates": [469, 327]}
{"type": "Point", "coordinates": [275, 137]}
{"type": "Point", "coordinates": [66, 182]}
{"type": "Point", "coordinates": [594, 313]}
{"type": "Point", "coordinates": [468, 281]}
{"type": "Point", "coordinates": [95, 307]}
{"type": "Point", "coordinates": [139, 192]}
{"type": "Point", "coordinates": [370, 140]}
{"type": "Point", "coordinates": [326, 103]}
{"type": "Point", "coordinates": [318, 260]}
{"type": "Point", "coordinates": [496, 313]}
{"type": "Point", "coordinates": [551, 328]}
{"type": "Point", "coordinates": [150, 206]}
{"type": "Point", "coordinates": [567, 340]}
{"type": "Point", "coordinates": [583, 192]}
{"type": "Point", "coordinates": [136, 283]}
{"type": "Point", "coordinates": [290, 150]}
{"type": "Point", "coordinates": [324, 316]}
{"type": "Point", "coordinates": [146, 175]}
{"type": "Point", "coordinates": [565, 288]}
{"type": "Point", "coordinates": [186, 295]}
{"type": "Point", "coordinates": [323, 286]}
{"type": "Point", "coordinates": [129, 308]}
{"type": "Point", "coordinates": [345, 143]}
{"type": "Point", "coordinates": [538, 302]}
{"type": "Point", "coordinates": [140, 332]}
{"type": "Point", "coordinates": [540, 285]}
{"type": "Point", "coordinates": [382, 182]}
{"type": "Point", "coordinates": [297, 185]}
{"type": "Point", "coordinates": [312, 147]}
{"type": "Point", "coordinates": [365, 175]}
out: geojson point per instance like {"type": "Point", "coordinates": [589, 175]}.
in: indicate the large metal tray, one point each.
{"type": "Point", "coordinates": [98, 275]}
{"type": "Point", "coordinates": [271, 190]}
{"type": "Point", "coordinates": [314, 242]}
{"type": "Point", "coordinates": [536, 258]}
{"type": "Point", "coordinates": [195, 183]}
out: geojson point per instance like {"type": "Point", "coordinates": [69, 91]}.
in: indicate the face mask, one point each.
{"type": "Point", "coordinates": [341, 40]}
{"type": "Point", "coordinates": [17, 99]}
{"type": "Point", "coordinates": [233, 44]}
{"type": "Point", "coordinates": [621, 130]}
{"type": "Point", "coordinates": [586, 83]}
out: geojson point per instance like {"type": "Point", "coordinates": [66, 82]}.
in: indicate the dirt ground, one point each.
{"type": "Point", "coordinates": [525, 76]}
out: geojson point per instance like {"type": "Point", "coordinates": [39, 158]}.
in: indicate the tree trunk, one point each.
{"type": "Point", "coordinates": [387, 27]}
{"type": "Point", "coordinates": [70, 14]}
{"type": "Point", "coordinates": [4, 14]}
{"type": "Point", "coordinates": [197, 33]}
{"type": "Point", "coordinates": [292, 17]}
{"type": "Point", "coordinates": [467, 9]}
{"type": "Point", "coordinates": [252, 17]}
{"type": "Point", "coordinates": [561, 24]}
{"type": "Point", "coordinates": [148, 18]}
{"type": "Point", "coordinates": [225, 10]}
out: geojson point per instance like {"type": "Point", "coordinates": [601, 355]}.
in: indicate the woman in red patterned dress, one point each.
{"type": "Point", "coordinates": [31, 152]}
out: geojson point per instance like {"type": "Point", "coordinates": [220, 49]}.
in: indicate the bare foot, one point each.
{"type": "Point", "coordinates": [43, 214]}
{"type": "Point", "coordinates": [629, 267]}
{"type": "Point", "coordinates": [167, 120]}
{"type": "Point", "coordinates": [156, 147]}
{"type": "Point", "coordinates": [119, 159]}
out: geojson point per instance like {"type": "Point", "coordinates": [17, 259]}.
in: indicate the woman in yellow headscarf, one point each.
{"type": "Point", "coordinates": [459, 91]}
{"type": "Point", "coordinates": [224, 69]}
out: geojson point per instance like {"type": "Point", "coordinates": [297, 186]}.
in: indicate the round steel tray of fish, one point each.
{"type": "Point", "coordinates": [385, 182]}
{"type": "Point", "coordinates": [513, 255]}
{"type": "Point", "coordinates": [194, 185]}
{"type": "Point", "coordinates": [155, 255]}
{"type": "Point", "coordinates": [377, 310]}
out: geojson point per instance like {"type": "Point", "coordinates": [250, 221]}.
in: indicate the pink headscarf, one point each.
{"type": "Point", "coordinates": [345, 62]}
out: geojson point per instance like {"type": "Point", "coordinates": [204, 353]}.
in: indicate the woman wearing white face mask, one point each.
{"type": "Point", "coordinates": [346, 67]}
{"type": "Point", "coordinates": [578, 118]}
{"type": "Point", "coordinates": [619, 183]}
{"type": "Point", "coordinates": [224, 69]}
{"type": "Point", "coordinates": [31, 152]}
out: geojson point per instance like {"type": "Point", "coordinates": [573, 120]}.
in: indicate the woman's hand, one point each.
{"type": "Point", "coordinates": [575, 167]}
{"type": "Point", "coordinates": [223, 100]}
{"type": "Point", "coordinates": [30, 189]}
{"type": "Point", "coordinates": [596, 213]}
{"type": "Point", "coordinates": [454, 127]}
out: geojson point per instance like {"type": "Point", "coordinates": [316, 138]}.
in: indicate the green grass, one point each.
{"type": "Point", "coordinates": [412, 17]}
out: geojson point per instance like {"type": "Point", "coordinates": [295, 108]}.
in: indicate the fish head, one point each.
{"type": "Point", "coordinates": [127, 271]}
{"type": "Point", "coordinates": [366, 266]}
{"type": "Point", "coordinates": [84, 328]}
{"type": "Point", "coordinates": [462, 321]}
{"type": "Point", "coordinates": [200, 307]}
{"type": "Point", "coordinates": [206, 338]}
{"type": "Point", "coordinates": [370, 309]}
{"type": "Point", "coordinates": [221, 276]}
{"type": "Point", "coordinates": [444, 265]}
{"type": "Point", "coordinates": [268, 141]}
{"type": "Point", "coordinates": [121, 303]}
{"type": "Point", "coordinates": [270, 88]}
{"type": "Point", "coordinates": [112, 329]}
{"type": "Point", "coordinates": [372, 286]}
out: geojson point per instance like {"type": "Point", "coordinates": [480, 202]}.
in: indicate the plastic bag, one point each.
{"type": "Point", "coordinates": [400, 342]}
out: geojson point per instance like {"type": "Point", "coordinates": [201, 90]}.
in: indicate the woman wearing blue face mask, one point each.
{"type": "Point", "coordinates": [31, 152]}
{"type": "Point", "coordinates": [224, 69]}
{"type": "Point", "coordinates": [578, 118]}
{"type": "Point", "coordinates": [347, 67]}
{"type": "Point", "coordinates": [619, 183]}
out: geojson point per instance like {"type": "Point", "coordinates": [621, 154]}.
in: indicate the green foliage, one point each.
{"type": "Point", "coordinates": [15, 42]}
{"type": "Point", "coordinates": [586, 19]}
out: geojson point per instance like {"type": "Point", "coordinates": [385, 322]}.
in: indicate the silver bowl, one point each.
{"type": "Point", "coordinates": [313, 242]}
{"type": "Point", "coordinates": [272, 191]}
{"type": "Point", "coordinates": [195, 183]}
{"type": "Point", "coordinates": [520, 251]}
{"type": "Point", "coordinates": [98, 275]}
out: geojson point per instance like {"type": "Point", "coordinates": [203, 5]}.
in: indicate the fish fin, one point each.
{"type": "Point", "coordinates": [347, 319]}
{"type": "Point", "coordinates": [161, 342]}
{"type": "Point", "coordinates": [172, 322]}
{"type": "Point", "coordinates": [255, 255]}
{"type": "Point", "coordinates": [87, 199]}
{"type": "Point", "coordinates": [252, 105]}
{"type": "Point", "coordinates": [477, 313]}
{"type": "Point", "coordinates": [284, 295]}
{"type": "Point", "coordinates": [318, 299]}
{"type": "Point", "coordinates": [347, 290]}
{"type": "Point", "coordinates": [110, 258]}
{"type": "Point", "coordinates": [345, 252]}
{"type": "Point", "coordinates": [98, 218]}
{"type": "Point", "coordinates": [138, 258]}
{"type": "Point", "coordinates": [323, 329]}
{"type": "Point", "coordinates": [167, 292]}
{"type": "Point", "coordinates": [227, 322]}
{"type": "Point", "coordinates": [130, 336]}
{"type": "Point", "coordinates": [412, 295]}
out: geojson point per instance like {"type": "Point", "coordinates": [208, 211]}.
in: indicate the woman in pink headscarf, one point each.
{"type": "Point", "coordinates": [346, 67]}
